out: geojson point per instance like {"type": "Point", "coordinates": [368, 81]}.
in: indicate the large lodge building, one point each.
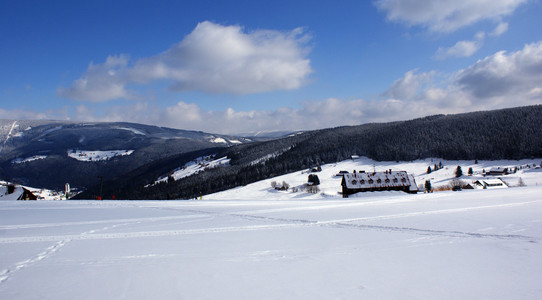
{"type": "Point", "coordinates": [377, 181]}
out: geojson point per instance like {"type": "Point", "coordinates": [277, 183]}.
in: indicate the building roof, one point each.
{"type": "Point", "coordinates": [378, 180]}
{"type": "Point", "coordinates": [498, 170]}
{"type": "Point", "coordinates": [491, 183]}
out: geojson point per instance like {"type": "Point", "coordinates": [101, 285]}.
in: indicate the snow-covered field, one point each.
{"type": "Point", "coordinates": [255, 242]}
{"type": "Point", "coordinates": [479, 244]}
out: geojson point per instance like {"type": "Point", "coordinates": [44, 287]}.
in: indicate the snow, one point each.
{"type": "Point", "coordinates": [9, 134]}
{"type": "Point", "coordinates": [97, 155]}
{"type": "Point", "coordinates": [135, 131]}
{"type": "Point", "coordinates": [218, 140]}
{"type": "Point", "coordinates": [254, 242]}
{"type": "Point", "coordinates": [479, 244]}
{"type": "Point", "coordinates": [198, 165]}
{"type": "Point", "coordinates": [330, 183]}
{"type": "Point", "coordinates": [4, 196]}
{"type": "Point", "coordinates": [28, 159]}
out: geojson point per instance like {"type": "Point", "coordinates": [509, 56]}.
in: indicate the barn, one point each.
{"type": "Point", "coordinates": [377, 181]}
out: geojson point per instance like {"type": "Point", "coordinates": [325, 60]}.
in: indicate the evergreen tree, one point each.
{"type": "Point", "coordinates": [428, 185]}
{"type": "Point", "coordinates": [313, 179]}
{"type": "Point", "coordinates": [458, 172]}
{"type": "Point", "coordinates": [429, 170]}
{"type": "Point", "coordinates": [470, 171]}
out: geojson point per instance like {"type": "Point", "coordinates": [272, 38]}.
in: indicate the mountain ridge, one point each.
{"type": "Point", "coordinates": [31, 150]}
{"type": "Point", "coordinates": [499, 134]}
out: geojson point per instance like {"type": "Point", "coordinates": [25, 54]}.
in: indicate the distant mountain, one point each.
{"type": "Point", "coordinates": [51, 153]}
{"type": "Point", "coordinates": [501, 134]}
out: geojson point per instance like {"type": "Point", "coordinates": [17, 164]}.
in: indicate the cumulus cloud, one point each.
{"type": "Point", "coordinates": [497, 81]}
{"type": "Point", "coordinates": [501, 75]}
{"type": "Point", "coordinates": [444, 15]}
{"type": "Point", "coordinates": [409, 85]}
{"type": "Point", "coordinates": [100, 82]}
{"type": "Point", "coordinates": [501, 28]}
{"type": "Point", "coordinates": [461, 48]}
{"type": "Point", "coordinates": [213, 58]}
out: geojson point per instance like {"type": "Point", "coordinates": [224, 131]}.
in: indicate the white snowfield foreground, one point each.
{"type": "Point", "coordinates": [479, 244]}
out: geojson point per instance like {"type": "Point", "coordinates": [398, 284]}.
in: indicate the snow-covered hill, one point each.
{"type": "Point", "coordinates": [81, 152]}
{"type": "Point", "coordinates": [529, 170]}
{"type": "Point", "coordinates": [196, 166]}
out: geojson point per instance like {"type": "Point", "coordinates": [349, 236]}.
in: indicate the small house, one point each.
{"type": "Point", "coordinates": [17, 193]}
{"type": "Point", "coordinates": [378, 181]}
{"type": "Point", "coordinates": [487, 184]}
{"type": "Point", "coordinates": [498, 171]}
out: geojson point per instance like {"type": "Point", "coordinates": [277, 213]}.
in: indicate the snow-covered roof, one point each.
{"type": "Point", "coordinates": [377, 180]}
{"type": "Point", "coordinates": [13, 196]}
{"type": "Point", "coordinates": [498, 169]}
{"type": "Point", "coordinates": [491, 183]}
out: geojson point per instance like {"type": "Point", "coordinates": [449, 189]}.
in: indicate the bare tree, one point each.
{"type": "Point", "coordinates": [285, 185]}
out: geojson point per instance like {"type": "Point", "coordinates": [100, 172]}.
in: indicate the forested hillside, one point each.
{"type": "Point", "coordinates": [502, 134]}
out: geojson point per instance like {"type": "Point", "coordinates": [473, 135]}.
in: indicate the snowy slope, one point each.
{"type": "Point", "coordinates": [96, 155]}
{"type": "Point", "coordinates": [196, 166]}
{"type": "Point", "coordinates": [470, 245]}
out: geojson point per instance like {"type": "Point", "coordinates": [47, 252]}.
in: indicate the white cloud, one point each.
{"type": "Point", "coordinates": [501, 28]}
{"type": "Point", "coordinates": [101, 82]}
{"type": "Point", "coordinates": [505, 76]}
{"type": "Point", "coordinates": [497, 81]}
{"type": "Point", "coordinates": [445, 15]}
{"type": "Point", "coordinates": [408, 85]}
{"type": "Point", "coordinates": [460, 49]}
{"type": "Point", "coordinates": [212, 59]}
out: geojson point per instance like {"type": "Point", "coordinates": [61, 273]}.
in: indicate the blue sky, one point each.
{"type": "Point", "coordinates": [246, 66]}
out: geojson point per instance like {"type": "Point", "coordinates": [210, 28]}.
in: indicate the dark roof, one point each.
{"type": "Point", "coordinates": [378, 180]}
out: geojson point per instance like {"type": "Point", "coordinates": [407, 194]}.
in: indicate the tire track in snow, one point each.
{"type": "Point", "coordinates": [293, 224]}
{"type": "Point", "coordinates": [142, 234]}
{"type": "Point", "coordinates": [431, 232]}
{"type": "Point", "coordinates": [284, 223]}
{"type": "Point", "coordinates": [434, 212]}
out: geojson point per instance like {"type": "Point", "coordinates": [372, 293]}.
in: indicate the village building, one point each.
{"type": "Point", "coordinates": [27, 195]}
{"type": "Point", "coordinates": [495, 183]}
{"type": "Point", "coordinates": [378, 181]}
{"type": "Point", "coordinates": [500, 171]}
{"type": "Point", "coordinates": [12, 192]}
